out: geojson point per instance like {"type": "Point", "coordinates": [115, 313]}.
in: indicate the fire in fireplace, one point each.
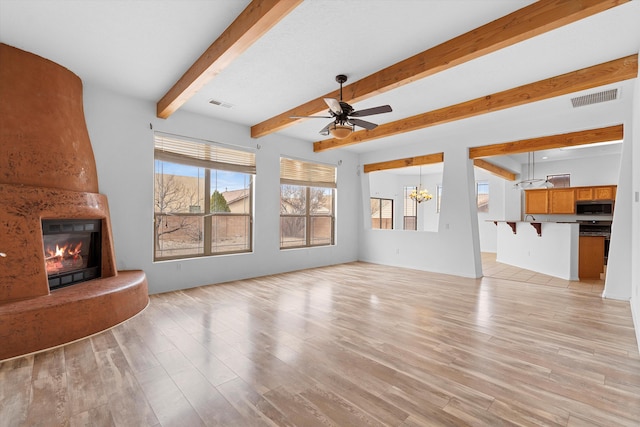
{"type": "Point", "coordinates": [71, 250]}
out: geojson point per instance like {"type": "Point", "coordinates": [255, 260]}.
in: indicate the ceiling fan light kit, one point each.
{"type": "Point", "coordinates": [342, 113]}
{"type": "Point", "coordinates": [340, 131]}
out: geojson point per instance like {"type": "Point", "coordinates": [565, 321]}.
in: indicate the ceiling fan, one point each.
{"type": "Point", "coordinates": [343, 115]}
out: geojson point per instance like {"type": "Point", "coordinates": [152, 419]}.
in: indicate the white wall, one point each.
{"type": "Point", "coordinates": [498, 189]}
{"type": "Point", "coordinates": [634, 138]}
{"type": "Point", "coordinates": [119, 128]}
{"type": "Point", "coordinates": [603, 169]}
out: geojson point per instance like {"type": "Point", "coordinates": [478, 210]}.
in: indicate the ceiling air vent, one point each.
{"type": "Point", "coordinates": [220, 103]}
{"type": "Point", "coordinates": [594, 98]}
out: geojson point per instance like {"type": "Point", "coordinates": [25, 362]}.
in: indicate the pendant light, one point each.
{"type": "Point", "coordinates": [531, 181]}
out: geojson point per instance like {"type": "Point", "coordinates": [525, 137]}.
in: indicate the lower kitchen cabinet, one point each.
{"type": "Point", "coordinates": [591, 257]}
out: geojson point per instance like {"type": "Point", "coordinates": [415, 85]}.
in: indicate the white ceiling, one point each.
{"type": "Point", "coordinates": [142, 47]}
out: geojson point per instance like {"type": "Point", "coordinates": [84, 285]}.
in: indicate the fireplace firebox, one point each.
{"type": "Point", "coordinates": [71, 250]}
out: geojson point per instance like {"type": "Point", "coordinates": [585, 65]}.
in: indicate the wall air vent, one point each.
{"type": "Point", "coordinates": [594, 98]}
{"type": "Point", "coordinates": [220, 103]}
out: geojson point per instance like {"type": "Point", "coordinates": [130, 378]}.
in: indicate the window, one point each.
{"type": "Point", "coordinates": [560, 180]}
{"type": "Point", "coordinates": [438, 197]}
{"type": "Point", "coordinates": [382, 213]}
{"type": "Point", "coordinates": [410, 218]}
{"type": "Point", "coordinates": [482, 196]}
{"type": "Point", "coordinates": [307, 204]}
{"type": "Point", "coordinates": [203, 198]}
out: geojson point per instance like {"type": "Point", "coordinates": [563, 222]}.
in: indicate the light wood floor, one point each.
{"type": "Point", "coordinates": [491, 268]}
{"type": "Point", "coordinates": [349, 345]}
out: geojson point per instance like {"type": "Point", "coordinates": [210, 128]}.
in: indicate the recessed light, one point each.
{"type": "Point", "coordinates": [545, 157]}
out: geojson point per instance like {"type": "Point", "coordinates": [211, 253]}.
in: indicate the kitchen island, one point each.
{"type": "Point", "coordinates": [549, 248]}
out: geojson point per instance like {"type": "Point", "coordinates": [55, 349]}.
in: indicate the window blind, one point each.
{"type": "Point", "coordinates": [188, 151]}
{"type": "Point", "coordinates": [298, 172]}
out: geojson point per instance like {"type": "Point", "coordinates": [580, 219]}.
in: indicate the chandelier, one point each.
{"type": "Point", "coordinates": [420, 194]}
{"type": "Point", "coordinates": [531, 181]}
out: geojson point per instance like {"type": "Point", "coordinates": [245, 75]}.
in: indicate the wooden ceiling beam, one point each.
{"type": "Point", "coordinates": [586, 78]}
{"type": "Point", "coordinates": [494, 169]}
{"type": "Point", "coordinates": [254, 21]}
{"type": "Point", "coordinates": [427, 159]}
{"type": "Point", "coordinates": [590, 136]}
{"type": "Point", "coordinates": [525, 23]}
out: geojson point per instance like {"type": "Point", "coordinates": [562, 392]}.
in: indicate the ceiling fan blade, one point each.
{"type": "Point", "coordinates": [310, 117]}
{"type": "Point", "coordinates": [371, 111]}
{"type": "Point", "coordinates": [325, 130]}
{"type": "Point", "coordinates": [363, 124]}
{"type": "Point", "coordinates": [334, 105]}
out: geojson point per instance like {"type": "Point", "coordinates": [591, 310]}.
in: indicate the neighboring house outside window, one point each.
{"type": "Point", "coordinates": [410, 217]}
{"type": "Point", "coordinates": [482, 196]}
{"type": "Point", "coordinates": [381, 213]}
{"type": "Point", "coordinates": [203, 196]}
{"type": "Point", "coordinates": [307, 204]}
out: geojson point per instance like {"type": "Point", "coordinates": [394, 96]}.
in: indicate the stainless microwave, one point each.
{"type": "Point", "coordinates": [594, 207]}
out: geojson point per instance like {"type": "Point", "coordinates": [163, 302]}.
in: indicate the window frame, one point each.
{"type": "Point", "coordinates": [380, 209]}
{"type": "Point", "coordinates": [176, 152]}
{"type": "Point", "coordinates": [308, 175]}
{"type": "Point", "coordinates": [556, 178]}
{"type": "Point", "coordinates": [478, 184]}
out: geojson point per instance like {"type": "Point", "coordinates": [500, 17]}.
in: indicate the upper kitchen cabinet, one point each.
{"type": "Point", "coordinates": [562, 201]}
{"type": "Point", "coordinates": [536, 201]}
{"type": "Point", "coordinates": [601, 192]}
{"type": "Point", "coordinates": [550, 201]}
{"type": "Point", "coordinates": [604, 193]}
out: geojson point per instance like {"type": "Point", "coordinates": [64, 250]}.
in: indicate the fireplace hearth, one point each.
{"type": "Point", "coordinates": [71, 250]}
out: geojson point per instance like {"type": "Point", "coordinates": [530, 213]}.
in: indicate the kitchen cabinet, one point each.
{"type": "Point", "coordinates": [584, 193]}
{"type": "Point", "coordinates": [590, 257]}
{"type": "Point", "coordinates": [604, 193]}
{"type": "Point", "coordinates": [536, 201]}
{"type": "Point", "coordinates": [601, 192]}
{"type": "Point", "coordinates": [562, 201]}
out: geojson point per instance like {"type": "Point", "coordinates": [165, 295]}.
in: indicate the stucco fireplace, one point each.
{"type": "Point", "coordinates": [55, 229]}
